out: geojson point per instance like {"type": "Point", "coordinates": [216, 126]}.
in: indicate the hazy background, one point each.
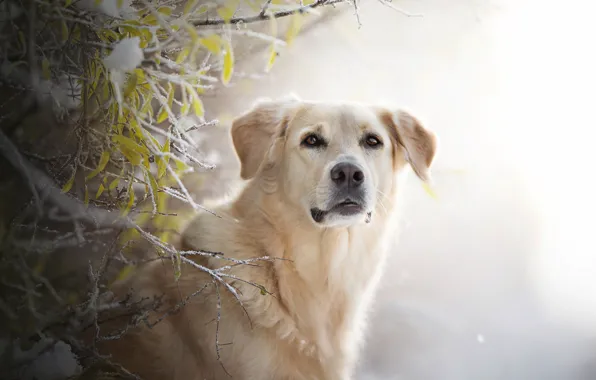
{"type": "Point", "coordinates": [496, 279]}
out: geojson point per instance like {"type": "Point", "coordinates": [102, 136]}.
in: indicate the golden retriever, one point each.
{"type": "Point", "coordinates": [319, 200]}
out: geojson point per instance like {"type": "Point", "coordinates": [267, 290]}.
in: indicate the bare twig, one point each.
{"type": "Point", "coordinates": [267, 15]}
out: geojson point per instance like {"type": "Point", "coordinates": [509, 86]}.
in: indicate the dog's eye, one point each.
{"type": "Point", "coordinates": [313, 141]}
{"type": "Point", "coordinates": [373, 141]}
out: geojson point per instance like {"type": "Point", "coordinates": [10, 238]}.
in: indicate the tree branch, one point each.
{"type": "Point", "coordinates": [262, 16]}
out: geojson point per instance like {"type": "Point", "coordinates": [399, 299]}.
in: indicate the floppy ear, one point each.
{"type": "Point", "coordinates": [420, 144]}
{"type": "Point", "coordinates": [254, 132]}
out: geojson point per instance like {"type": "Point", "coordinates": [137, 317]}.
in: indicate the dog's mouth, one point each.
{"type": "Point", "coordinates": [347, 207]}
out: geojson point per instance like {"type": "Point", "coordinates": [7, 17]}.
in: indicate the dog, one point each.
{"type": "Point", "coordinates": [310, 228]}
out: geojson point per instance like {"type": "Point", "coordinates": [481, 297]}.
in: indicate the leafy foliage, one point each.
{"type": "Point", "coordinates": [126, 79]}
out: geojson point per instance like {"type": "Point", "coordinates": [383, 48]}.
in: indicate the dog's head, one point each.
{"type": "Point", "coordinates": [333, 162]}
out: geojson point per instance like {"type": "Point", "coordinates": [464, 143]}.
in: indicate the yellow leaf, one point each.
{"type": "Point", "coordinates": [127, 236]}
{"type": "Point", "coordinates": [227, 11]}
{"type": "Point", "coordinates": [67, 3]}
{"type": "Point", "coordinates": [165, 11]}
{"type": "Point", "coordinates": [76, 34]}
{"type": "Point", "coordinates": [164, 236]}
{"type": "Point", "coordinates": [137, 132]}
{"type": "Point", "coordinates": [64, 30]}
{"type": "Point", "coordinates": [153, 186]}
{"type": "Point", "coordinates": [294, 28]}
{"type": "Point", "coordinates": [163, 115]}
{"type": "Point", "coordinates": [177, 266]}
{"type": "Point", "coordinates": [228, 63]}
{"type": "Point", "coordinates": [212, 43]}
{"type": "Point", "coordinates": [68, 185]}
{"type": "Point", "coordinates": [133, 157]}
{"type": "Point", "coordinates": [181, 166]}
{"type": "Point", "coordinates": [184, 109]}
{"type": "Point", "coordinates": [22, 40]}
{"type": "Point", "coordinates": [429, 190]}
{"type": "Point", "coordinates": [103, 161]}
{"type": "Point", "coordinates": [98, 2]}
{"type": "Point", "coordinates": [131, 85]}
{"type": "Point", "coordinates": [100, 191]}
{"type": "Point", "coordinates": [272, 57]}
{"type": "Point", "coordinates": [170, 95]}
{"type": "Point", "coordinates": [131, 199]}
{"type": "Point", "coordinates": [124, 272]}
{"type": "Point", "coordinates": [188, 7]}
{"type": "Point", "coordinates": [192, 32]}
{"type": "Point", "coordinates": [45, 69]}
{"type": "Point", "coordinates": [182, 55]}
{"type": "Point", "coordinates": [130, 144]}
{"type": "Point", "coordinates": [147, 20]}
{"type": "Point", "coordinates": [114, 184]}
{"type": "Point", "coordinates": [163, 161]}
{"type": "Point", "coordinates": [140, 74]}
{"type": "Point", "coordinates": [196, 102]}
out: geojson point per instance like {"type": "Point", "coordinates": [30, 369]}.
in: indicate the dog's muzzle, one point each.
{"type": "Point", "coordinates": [348, 194]}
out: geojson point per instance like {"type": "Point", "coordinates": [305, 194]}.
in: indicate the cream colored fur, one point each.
{"type": "Point", "coordinates": [305, 319]}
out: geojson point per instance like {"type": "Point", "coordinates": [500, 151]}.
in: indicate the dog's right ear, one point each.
{"type": "Point", "coordinates": [254, 132]}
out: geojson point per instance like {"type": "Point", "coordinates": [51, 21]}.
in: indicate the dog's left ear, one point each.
{"type": "Point", "coordinates": [255, 132]}
{"type": "Point", "coordinates": [419, 143]}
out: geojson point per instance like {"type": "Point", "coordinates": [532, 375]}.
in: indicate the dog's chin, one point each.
{"type": "Point", "coordinates": [343, 214]}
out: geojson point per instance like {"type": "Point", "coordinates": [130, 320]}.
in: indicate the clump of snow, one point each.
{"type": "Point", "coordinates": [64, 94]}
{"type": "Point", "coordinates": [126, 55]}
{"type": "Point", "coordinates": [9, 10]}
{"type": "Point", "coordinates": [106, 7]}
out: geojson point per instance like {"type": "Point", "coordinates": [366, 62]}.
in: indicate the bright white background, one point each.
{"type": "Point", "coordinates": [496, 279]}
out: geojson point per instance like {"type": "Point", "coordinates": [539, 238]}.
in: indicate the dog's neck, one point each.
{"type": "Point", "coordinates": [327, 274]}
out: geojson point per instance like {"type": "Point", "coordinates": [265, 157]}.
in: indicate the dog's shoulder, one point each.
{"type": "Point", "coordinates": [213, 230]}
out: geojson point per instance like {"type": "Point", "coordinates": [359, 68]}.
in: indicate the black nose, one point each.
{"type": "Point", "coordinates": [347, 174]}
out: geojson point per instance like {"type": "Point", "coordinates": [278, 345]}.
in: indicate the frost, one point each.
{"type": "Point", "coordinates": [125, 56]}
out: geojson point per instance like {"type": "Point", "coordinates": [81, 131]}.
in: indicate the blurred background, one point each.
{"type": "Point", "coordinates": [495, 279]}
